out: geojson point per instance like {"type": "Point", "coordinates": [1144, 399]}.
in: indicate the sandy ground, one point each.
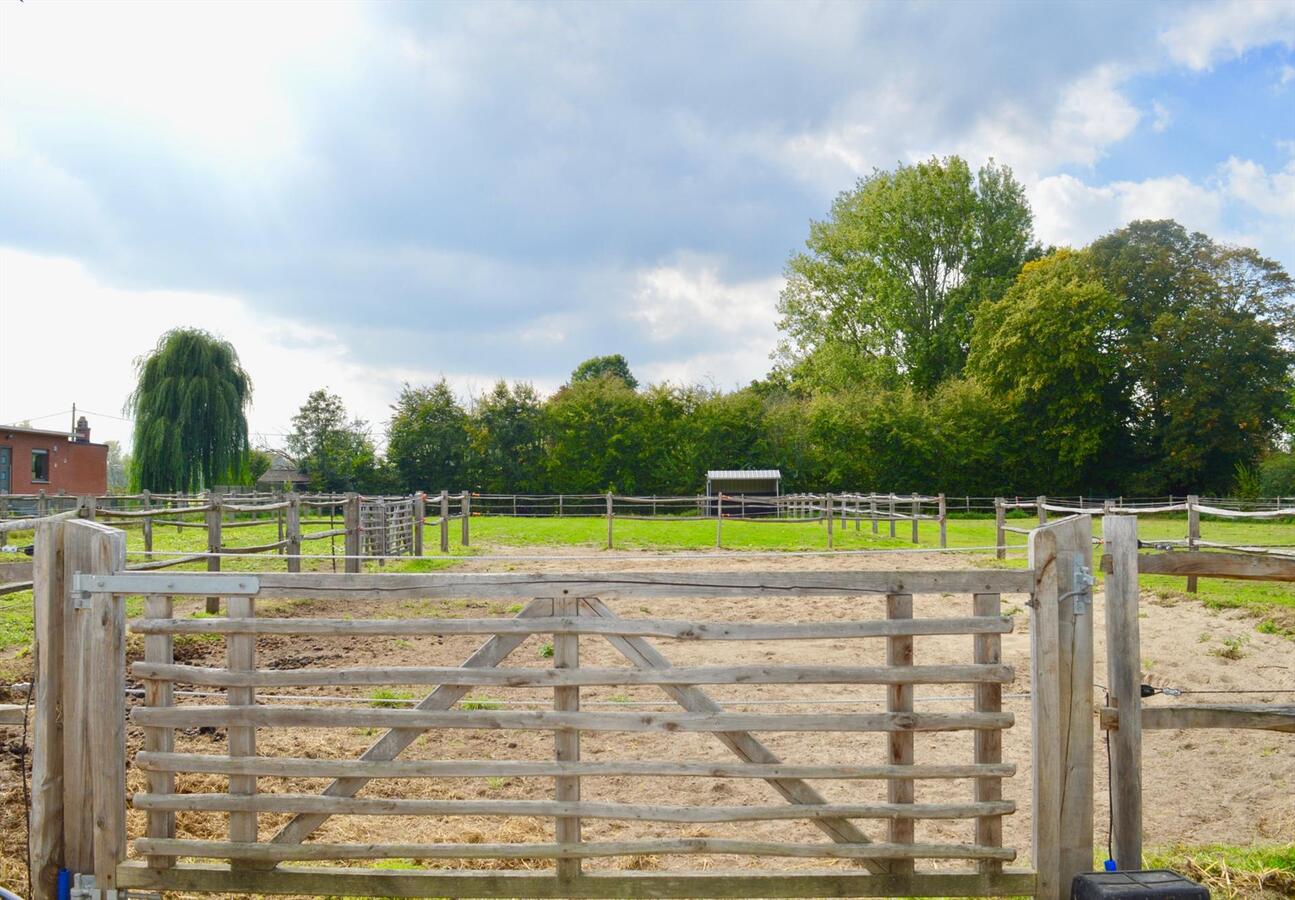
{"type": "Point", "coordinates": [1201, 787]}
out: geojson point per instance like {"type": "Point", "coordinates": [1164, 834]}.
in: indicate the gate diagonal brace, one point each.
{"type": "Point", "coordinates": [744, 745]}
{"type": "Point", "coordinates": [642, 654]}
{"type": "Point", "coordinates": [395, 740]}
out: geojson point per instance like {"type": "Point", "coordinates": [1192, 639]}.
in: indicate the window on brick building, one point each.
{"type": "Point", "coordinates": [40, 465]}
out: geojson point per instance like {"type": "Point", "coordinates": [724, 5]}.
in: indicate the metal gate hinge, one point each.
{"type": "Point", "coordinates": [83, 888]}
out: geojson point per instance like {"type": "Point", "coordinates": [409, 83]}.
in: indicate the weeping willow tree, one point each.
{"type": "Point", "coordinates": [190, 414]}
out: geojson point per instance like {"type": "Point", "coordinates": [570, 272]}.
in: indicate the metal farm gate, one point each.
{"type": "Point", "coordinates": [387, 526]}
{"type": "Point", "coordinates": [598, 632]}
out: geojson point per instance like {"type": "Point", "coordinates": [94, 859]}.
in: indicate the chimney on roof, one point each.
{"type": "Point", "coordinates": [82, 431]}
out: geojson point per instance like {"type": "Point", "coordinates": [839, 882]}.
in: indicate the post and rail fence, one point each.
{"type": "Point", "coordinates": [80, 763]}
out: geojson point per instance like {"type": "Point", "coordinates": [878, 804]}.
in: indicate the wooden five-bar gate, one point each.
{"type": "Point", "coordinates": [870, 847]}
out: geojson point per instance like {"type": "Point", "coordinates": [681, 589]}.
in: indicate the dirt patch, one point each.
{"type": "Point", "coordinates": [1201, 787]}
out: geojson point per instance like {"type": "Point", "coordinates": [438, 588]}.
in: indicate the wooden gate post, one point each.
{"type": "Point", "coordinates": [1040, 504]}
{"type": "Point", "coordinates": [294, 532]}
{"type": "Point", "coordinates": [1124, 687]}
{"type": "Point", "coordinates": [49, 599]}
{"type": "Point", "coordinates": [890, 512]}
{"type": "Point", "coordinates": [351, 522]}
{"type": "Point", "coordinates": [917, 512]}
{"type": "Point", "coordinates": [107, 713]}
{"type": "Point", "coordinates": [214, 524]}
{"type": "Point", "coordinates": [465, 512]}
{"type": "Point", "coordinates": [1061, 692]}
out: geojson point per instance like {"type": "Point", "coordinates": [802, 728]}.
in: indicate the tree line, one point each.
{"type": "Point", "coordinates": [929, 343]}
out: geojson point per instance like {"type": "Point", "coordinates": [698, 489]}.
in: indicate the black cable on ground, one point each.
{"type": "Point", "coordinates": [1110, 798]}
{"type": "Point", "coordinates": [26, 791]}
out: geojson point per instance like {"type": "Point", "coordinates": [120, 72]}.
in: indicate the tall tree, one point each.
{"type": "Point", "coordinates": [334, 451]}
{"type": "Point", "coordinates": [506, 438]}
{"type": "Point", "coordinates": [615, 366]}
{"type": "Point", "coordinates": [1051, 347]}
{"type": "Point", "coordinates": [190, 410]}
{"type": "Point", "coordinates": [597, 439]}
{"type": "Point", "coordinates": [1206, 332]}
{"type": "Point", "coordinates": [893, 277]}
{"type": "Point", "coordinates": [427, 439]}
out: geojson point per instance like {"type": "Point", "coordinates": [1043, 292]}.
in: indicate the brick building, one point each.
{"type": "Point", "coordinates": [32, 460]}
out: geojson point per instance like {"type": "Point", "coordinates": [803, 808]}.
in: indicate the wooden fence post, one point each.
{"type": "Point", "coordinates": [445, 521]}
{"type": "Point", "coordinates": [42, 504]}
{"type": "Point", "coordinates": [351, 522]}
{"type": "Point", "coordinates": [610, 515]}
{"type": "Point", "coordinates": [49, 599]}
{"type": "Point", "coordinates": [1061, 692]}
{"type": "Point", "coordinates": [891, 514]}
{"type": "Point", "coordinates": [1124, 687]}
{"type": "Point", "coordinates": [148, 526]}
{"type": "Point", "coordinates": [872, 510]}
{"type": "Point", "coordinates": [465, 511]}
{"type": "Point", "coordinates": [827, 505]}
{"type": "Point", "coordinates": [1000, 524]}
{"type": "Point", "coordinates": [1193, 532]}
{"type": "Point", "coordinates": [944, 522]}
{"type": "Point", "coordinates": [1039, 503]}
{"type": "Point", "coordinates": [917, 512]}
{"type": "Point", "coordinates": [294, 532]}
{"type": "Point", "coordinates": [420, 514]}
{"type": "Point", "coordinates": [214, 523]}
{"type": "Point", "coordinates": [719, 521]}
{"type": "Point", "coordinates": [560, 511]}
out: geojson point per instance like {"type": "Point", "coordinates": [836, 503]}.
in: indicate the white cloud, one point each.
{"type": "Point", "coordinates": [1215, 32]}
{"type": "Point", "coordinates": [111, 327]}
{"type": "Point", "coordinates": [1242, 201]}
{"type": "Point", "coordinates": [194, 78]}
{"type": "Point", "coordinates": [689, 299]}
{"type": "Point", "coordinates": [1161, 117]}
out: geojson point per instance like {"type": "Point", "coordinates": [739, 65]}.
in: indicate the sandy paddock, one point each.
{"type": "Point", "coordinates": [1201, 787]}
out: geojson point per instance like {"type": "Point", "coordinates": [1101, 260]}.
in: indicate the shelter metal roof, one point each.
{"type": "Point", "coordinates": [744, 475]}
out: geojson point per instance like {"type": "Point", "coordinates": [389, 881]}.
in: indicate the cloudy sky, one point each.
{"type": "Point", "coordinates": [361, 195]}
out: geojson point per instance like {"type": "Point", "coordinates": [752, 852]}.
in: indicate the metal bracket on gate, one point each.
{"type": "Point", "coordinates": [197, 584]}
{"type": "Point", "coordinates": [1080, 582]}
{"type": "Point", "coordinates": [83, 888]}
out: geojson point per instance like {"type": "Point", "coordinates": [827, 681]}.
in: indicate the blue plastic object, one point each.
{"type": "Point", "coordinates": [1110, 865]}
{"type": "Point", "coordinates": [64, 884]}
